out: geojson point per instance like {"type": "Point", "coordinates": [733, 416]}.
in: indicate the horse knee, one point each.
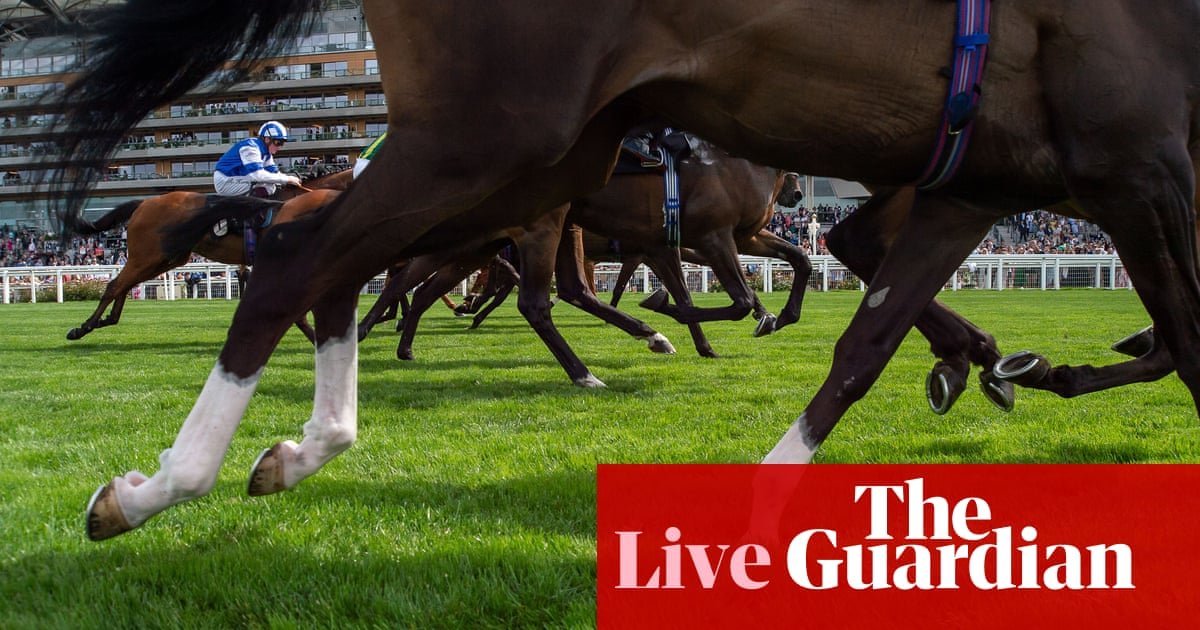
{"type": "Point", "coordinates": [532, 308]}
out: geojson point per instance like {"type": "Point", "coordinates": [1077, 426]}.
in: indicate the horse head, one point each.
{"type": "Point", "coordinates": [790, 193]}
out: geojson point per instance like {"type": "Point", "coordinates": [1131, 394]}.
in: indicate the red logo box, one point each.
{"type": "Point", "coordinates": [888, 546]}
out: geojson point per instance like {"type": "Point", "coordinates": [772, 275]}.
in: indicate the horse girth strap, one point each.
{"type": "Point", "coordinates": [671, 205]}
{"type": "Point", "coordinates": [962, 100]}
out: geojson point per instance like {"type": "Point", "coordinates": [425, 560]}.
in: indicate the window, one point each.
{"type": "Point", "coordinates": [371, 66]}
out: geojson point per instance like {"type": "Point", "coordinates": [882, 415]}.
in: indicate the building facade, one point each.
{"type": "Point", "coordinates": [327, 91]}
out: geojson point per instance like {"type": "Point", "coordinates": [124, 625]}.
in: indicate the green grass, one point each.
{"type": "Point", "coordinates": [469, 498]}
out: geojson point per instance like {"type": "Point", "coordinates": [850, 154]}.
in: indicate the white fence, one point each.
{"type": "Point", "coordinates": [996, 272]}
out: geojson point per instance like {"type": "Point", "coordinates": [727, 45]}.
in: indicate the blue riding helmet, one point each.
{"type": "Point", "coordinates": [273, 130]}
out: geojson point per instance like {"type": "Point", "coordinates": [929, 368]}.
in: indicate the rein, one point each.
{"type": "Point", "coordinates": [962, 102]}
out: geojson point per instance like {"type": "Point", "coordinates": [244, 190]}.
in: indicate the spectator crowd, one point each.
{"type": "Point", "coordinates": [1037, 232]}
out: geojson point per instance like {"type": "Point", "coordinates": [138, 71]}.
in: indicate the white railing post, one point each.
{"type": "Point", "coordinates": [58, 280]}
{"type": "Point", "coordinates": [7, 293]}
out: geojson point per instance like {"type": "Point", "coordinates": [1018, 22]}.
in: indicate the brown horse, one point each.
{"type": "Point", "coordinates": [147, 220]}
{"type": "Point", "coordinates": [726, 204]}
{"type": "Point", "coordinates": [522, 108]}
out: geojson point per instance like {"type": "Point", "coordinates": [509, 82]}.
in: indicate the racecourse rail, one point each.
{"type": "Point", "coordinates": [994, 271]}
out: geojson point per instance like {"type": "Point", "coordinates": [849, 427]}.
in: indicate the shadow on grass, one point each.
{"type": "Point", "coordinates": [412, 553]}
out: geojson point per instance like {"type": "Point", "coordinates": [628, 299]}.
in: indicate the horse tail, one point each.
{"type": "Point", "coordinates": [117, 216]}
{"type": "Point", "coordinates": [147, 53]}
{"type": "Point", "coordinates": [180, 238]}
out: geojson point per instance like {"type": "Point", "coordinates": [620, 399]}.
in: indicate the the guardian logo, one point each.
{"type": "Point", "coordinates": [974, 555]}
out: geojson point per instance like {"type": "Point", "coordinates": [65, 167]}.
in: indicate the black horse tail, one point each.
{"type": "Point", "coordinates": [76, 224]}
{"type": "Point", "coordinates": [183, 236]}
{"type": "Point", "coordinates": [147, 53]}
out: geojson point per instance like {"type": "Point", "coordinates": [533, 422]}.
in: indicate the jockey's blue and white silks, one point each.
{"type": "Point", "coordinates": [244, 165]}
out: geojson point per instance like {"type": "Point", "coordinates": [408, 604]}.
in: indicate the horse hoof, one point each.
{"type": "Point", "coordinates": [589, 381]}
{"type": "Point", "coordinates": [659, 344]}
{"type": "Point", "coordinates": [404, 354]}
{"type": "Point", "coordinates": [266, 476]}
{"type": "Point", "coordinates": [104, 516]}
{"type": "Point", "coordinates": [363, 331]}
{"type": "Point", "coordinates": [943, 386]}
{"type": "Point", "coordinates": [765, 326]}
{"type": "Point", "coordinates": [655, 301]}
{"type": "Point", "coordinates": [1000, 392]}
{"type": "Point", "coordinates": [1137, 344]}
{"type": "Point", "coordinates": [75, 333]}
{"type": "Point", "coordinates": [1023, 368]}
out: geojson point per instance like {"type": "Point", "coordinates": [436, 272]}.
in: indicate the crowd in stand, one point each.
{"type": "Point", "coordinates": [26, 247]}
{"type": "Point", "coordinates": [1037, 232]}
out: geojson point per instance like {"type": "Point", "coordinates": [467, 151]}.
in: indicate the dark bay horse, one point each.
{"type": "Point", "coordinates": [522, 108]}
{"type": "Point", "coordinates": [147, 220]}
{"type": "Point", "coordinates": [726, 203]}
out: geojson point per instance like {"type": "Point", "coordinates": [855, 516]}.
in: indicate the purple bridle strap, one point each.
{"type": "Point", "coordinates": [966, 74]}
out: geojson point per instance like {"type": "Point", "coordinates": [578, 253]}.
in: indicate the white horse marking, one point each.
{"type": "Point", "coordinates": [794, 447]}
{"type": "Point", "coordinates": [333, 426]}
{"type": "Point", "coordinates": [189, 468]}
{"type": "Point", "coordinates": [876, 299]}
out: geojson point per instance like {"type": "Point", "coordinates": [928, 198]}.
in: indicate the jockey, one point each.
{"type": "Point", "coordinates": [248, 167]}
{"type": "Point", "coordinates": [364, 158]}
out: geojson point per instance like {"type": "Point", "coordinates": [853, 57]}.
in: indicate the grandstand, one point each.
{"type": "Point", "coordinates": [327, 91]}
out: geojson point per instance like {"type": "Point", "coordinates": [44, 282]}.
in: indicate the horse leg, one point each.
{"type": "Point", "coordinates": [573, 289]}
{"type": "Point", "coordinates": [388, 298]}
{"type": "Point", "coordinates": [862, 240]}
{"type": "Point", "coordinates": [537, 248]}
{"type": "Point", "coordinates": [435, 286]}
{"type": "Point", "coordinates": [115, 293]}
{"type": "Point", "coordinates": [721, 252]}
{"type": "Point", "coordinates": [666, 265]}
{"type": "Point", "coordinates": [502, 293]}
{"type": "Point", "coordinates": [333, 426]}
{"type": "Point", "coordinates": [306, 329]}
{"type": "Point", "coordinates": [188, 469]}
{"type": "Point", "coordinates": [628, 267]}
{"type": "Point", "coordinates": [1168, 286]}
{"type": "Point", "coordinates": [1033, 371]}
{"type": "Point", "coordinates": [768, 245]}
{"type": "Point", "coordinates": [907, 279]}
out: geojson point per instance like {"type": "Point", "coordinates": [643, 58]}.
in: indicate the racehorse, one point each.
{"type": "Point", "coordinates": [522, 108]}
{"type": "Point", "coordinates": [726, 204]}
{"type": "Point", "coordinates": [146, 221]}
